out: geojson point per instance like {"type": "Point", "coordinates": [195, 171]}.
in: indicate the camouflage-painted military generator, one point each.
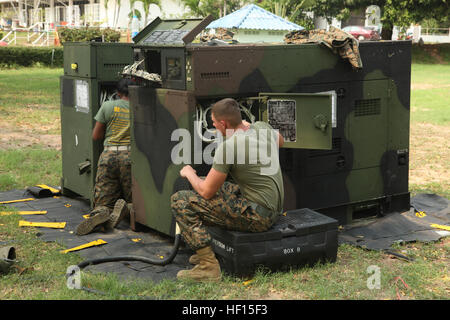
{"type": "Point", "coordinates": [91, 71]}
{"type": "Point", "coordinates": [346, 131]}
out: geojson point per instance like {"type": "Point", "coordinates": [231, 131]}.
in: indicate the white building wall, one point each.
{"type": "Point", "coordinates": [259, 36]}
{"type": "Point", "coordinates": [169, 9]}
{"type": "Point", "coordinates": [172, 9]}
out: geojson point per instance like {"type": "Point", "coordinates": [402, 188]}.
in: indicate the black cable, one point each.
{"type": "Point", "coordinates": [398, 255]}
{"type": "Point", "coordinates": [160, 262]}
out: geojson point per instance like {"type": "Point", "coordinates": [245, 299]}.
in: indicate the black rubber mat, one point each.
{"type": "Point", "coordinates": [378, 234]}
{"type": "Point", "coordinates": [119, 241]}
{"type": "Point", "coordinates": [413, 225]}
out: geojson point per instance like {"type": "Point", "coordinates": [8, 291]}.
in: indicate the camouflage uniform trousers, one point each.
{"type": "Point", "coordinates": [113, 180]}
{"type": "Point", "coordinates": [227, 209]}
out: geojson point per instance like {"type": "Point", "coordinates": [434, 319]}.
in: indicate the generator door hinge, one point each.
{"type": "Point", "coordinates": [263, 99]}
{"type": "Point", "coordinates": [389, 90]}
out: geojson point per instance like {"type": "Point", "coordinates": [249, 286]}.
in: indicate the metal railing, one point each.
{"type": "Point", "coordinates": [36, 35]}
{"type": "Point", "coordinates": [435, 31]}
{"type": "Point", "coordinates": [34, 30]}
{"type": "Point", "coordinates": [39, 34]}
{"type": "Point", "coordinates": [7, 39]}
{"type": "Point", "coordinates": [45, 39]}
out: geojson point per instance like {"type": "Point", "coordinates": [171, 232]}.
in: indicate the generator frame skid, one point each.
{"type": "Point", "coordinates": [347, 148]}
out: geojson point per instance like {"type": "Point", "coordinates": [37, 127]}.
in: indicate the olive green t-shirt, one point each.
{"type": "Point", "coordinates": [116, 115]}
{"type": "Point", "coordinates": [251, 158]}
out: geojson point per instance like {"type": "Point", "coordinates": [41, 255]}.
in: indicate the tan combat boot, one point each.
{"type": "Point", "coordinates": [96, 218]}
{"type": "Point", "coordinates": [194, 259]}
{"type": "Point", "coordinates": [207, 269]}
{"type": "Point", "coordinates": [121, 211]}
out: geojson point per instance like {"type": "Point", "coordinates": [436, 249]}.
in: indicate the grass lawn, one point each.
{"type": "Point", "coordinates": [29, 104]}
{"type": "Point", "coordinates": [29, 101]}
{"type": "Point", "coordinates": [430, 129]}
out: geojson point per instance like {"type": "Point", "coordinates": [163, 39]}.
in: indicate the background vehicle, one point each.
{"type": "Point", "coordinates": [362, 33]}
{"type": "Point", "coordinates": [405, 36]}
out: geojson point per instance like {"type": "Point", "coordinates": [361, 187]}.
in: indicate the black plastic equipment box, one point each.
{"type": "Point", "coordinates": [301, 237]}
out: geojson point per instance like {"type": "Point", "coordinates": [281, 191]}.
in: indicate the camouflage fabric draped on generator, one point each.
{"type": "Point", "coordinates": [338, 41]}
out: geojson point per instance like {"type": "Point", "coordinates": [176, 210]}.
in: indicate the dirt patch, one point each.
{"type": "Point", "coordinates": [429, 154]}
{"type": "Point", "coordinates": [11, 138]}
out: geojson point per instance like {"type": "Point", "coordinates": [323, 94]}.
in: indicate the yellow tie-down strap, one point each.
{"type": "Point", "coordinates": [86, 245]}
{"type": "Point", "coordinates": [55, 225]}
{"type": "Point", "coordinates": [44, 186]}
{"type": "Point", "coordinates": [19, 200]}
{"type": "Point", "coordinates": [7, 213]}
{"type": "Point", "coordinates": [440, 226]}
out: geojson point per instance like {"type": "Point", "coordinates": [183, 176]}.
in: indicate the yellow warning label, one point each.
{"type": "Point", "coordinates": [420, 214]}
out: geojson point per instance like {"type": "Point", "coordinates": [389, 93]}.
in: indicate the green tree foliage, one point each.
{"type": "Point", "coordinates": [67, 34]}
{"type": "Point", "coordinates": [393, 12]}
{"type": "Point", "coordinates": [147, 4]}
{"type": "Point", "coordinates": [29, 56]}
{"type": "Point", "coordinates": [216, 8]}
{"type": "Point", "coordinates": [291, 10]}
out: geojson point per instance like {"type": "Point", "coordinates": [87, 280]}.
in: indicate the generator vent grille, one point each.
{"type": "Point", "coordinates": [214, 75]}
{"type": "Point", "coordinates": [367, 107]}
{"type": "Point", "coordinates": [336, 149]}
{"type": "Point", "coordinates": [114, 65]}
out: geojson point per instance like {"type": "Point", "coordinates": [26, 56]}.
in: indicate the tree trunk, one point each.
{"type": "Point", "coordinates": [386, 32]}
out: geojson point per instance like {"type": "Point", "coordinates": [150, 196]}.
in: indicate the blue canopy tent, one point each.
{"type": "Point", "coordinates": [254, 24]}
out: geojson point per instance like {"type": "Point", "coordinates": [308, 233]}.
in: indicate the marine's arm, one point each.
{"type": "Point", "coordinates": [208, 187]}
{"type": "Point", "coordinates": [99, 131]}
{"type": "Point", "coordinates": [280, 140]}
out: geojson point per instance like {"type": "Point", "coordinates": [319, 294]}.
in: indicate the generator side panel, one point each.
{"type": "Point", "coordinates": [156, 115]}
{"type": "Point", "coordinates": [367, 168]}
{"type": "Point", "coordinates": [240, 70]}
{"type": "Point", "coordinates": [79, 151]}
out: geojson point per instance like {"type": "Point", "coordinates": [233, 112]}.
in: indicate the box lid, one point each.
{"type": "Point", "coordinates": [295, 223]}
{"type": "Point", "coordinates": [173, 32]}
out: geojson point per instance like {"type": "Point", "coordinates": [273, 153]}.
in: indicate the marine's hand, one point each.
{"type": "Point", "coordinates": [186, 171]}
{"type": "Point", "coordinates": [246, 123]}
